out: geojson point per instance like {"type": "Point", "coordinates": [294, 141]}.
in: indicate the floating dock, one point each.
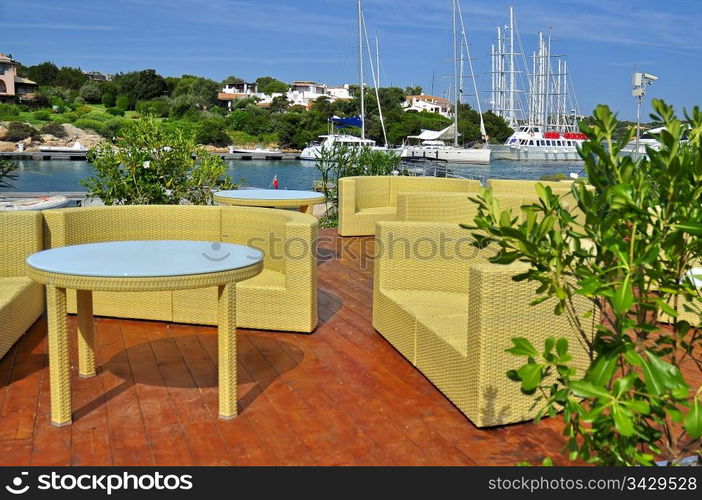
{"type": "Point", "coordinates": [80, 156]}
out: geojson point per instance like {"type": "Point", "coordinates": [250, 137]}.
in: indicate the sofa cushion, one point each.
{"type": "Point", "coordinates": [12, 289]}
{"type": "Point", "coordinates": [21, 303]}
{"type": "Point", "coordinates": [445, 313]}
{"type": "Point", "coordinates": [451, 328]}
{"type": "Point", "coordinates": [377, 211]}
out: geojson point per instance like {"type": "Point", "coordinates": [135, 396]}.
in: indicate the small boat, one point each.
{"type": "Point", "coordinates": [76, 148]}
{"type": "Point", "coordinates": [39, 203]}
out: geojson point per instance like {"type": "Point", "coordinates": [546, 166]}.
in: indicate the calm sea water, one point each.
{"type": "Point", "coordinates": [42, 176]}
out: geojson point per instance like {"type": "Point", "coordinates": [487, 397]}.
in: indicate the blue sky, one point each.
{"type": "Point", "coordinates": [304, 39]}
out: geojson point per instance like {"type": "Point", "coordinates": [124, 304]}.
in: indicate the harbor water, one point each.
{"type": "Point", "coordinates": [63, 175]}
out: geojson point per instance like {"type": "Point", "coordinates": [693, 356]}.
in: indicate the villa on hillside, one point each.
{"type": "Point", "coordinates": [14, 87]}
{"type": "Point", "coordinates": [428, 103]}
{"type": "Point", "coordinates": [98, 76]}
{"type": "Point", "coordinates": [301, 93]}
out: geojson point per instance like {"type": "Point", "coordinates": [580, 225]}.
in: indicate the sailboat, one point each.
{"type": "Point", "coordinates": [431, 143]}
{"type": "Point", "coordinates": [325, 142]}
{"type": "Point", "coordinates": [549, 129]}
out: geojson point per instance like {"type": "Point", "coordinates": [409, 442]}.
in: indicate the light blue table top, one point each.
{"type": "Point", "coordinates": [268, 194]}
{"type": "Point", "coordinates": [134, 259]}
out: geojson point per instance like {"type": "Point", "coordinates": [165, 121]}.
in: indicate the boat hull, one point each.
{"type": "Point", "coordinates": [535, 153]}
{"type": "Point", "coordinates": [43, 203]}
{"type": "Point", "coordinates": [450, 155]}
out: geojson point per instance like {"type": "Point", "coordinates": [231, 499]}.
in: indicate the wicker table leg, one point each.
{"type": "Point", "coordinates": [86, 334]}
{"type": "Point", "coordinates": [226, 351]}
{"type": "Point", "coordinates": [59, 363]}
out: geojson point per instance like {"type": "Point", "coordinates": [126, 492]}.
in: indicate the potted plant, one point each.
{"type": "Point", "coordinates": [632, 252]}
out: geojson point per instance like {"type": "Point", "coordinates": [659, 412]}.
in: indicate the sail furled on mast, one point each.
{"type": "Point", "coordinates": [350, 121]}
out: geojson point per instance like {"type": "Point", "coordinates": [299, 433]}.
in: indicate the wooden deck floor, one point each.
{"type": "Point", "coordinates": [340, 396]}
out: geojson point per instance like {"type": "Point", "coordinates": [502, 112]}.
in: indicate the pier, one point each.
{"type": "Point", "coordinates": [81, 156]}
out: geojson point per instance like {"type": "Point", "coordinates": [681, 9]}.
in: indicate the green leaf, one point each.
{"type": "Point", "coordinates": [661, 375]}
{"type": "Point", "coordinates": [623, 297]}
{"type": "Point", "coordinates": [693, 420]}
{"type": "Point", "coordinates": [585, 389]}
{"type": "Point", "coordinates": [530, 374]}
{"type": "Point", "coordinates": [638, 406]}
{"type": "Point", "coordinates": [562, 347]}
{"type": "Point", "coordinates": [601, 371]}
{"type": "Point", "coordinates": [690, 227]}
{"type": "Point", "coordinates": [623, 421]}
{"type": "Point", "coordinates": [522, 347]}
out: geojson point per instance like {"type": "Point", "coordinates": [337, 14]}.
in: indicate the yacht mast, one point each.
{"type": "Point", "coordinates": [512, 114]}
{"type": "Point", "coordinates": [483, 132]}
{"type": "Point", "coordinates": [547, 88]}
{"type": "Point", "coordinates": [455, 79]}
{"type": "Point", "coordinates": [360, 69]}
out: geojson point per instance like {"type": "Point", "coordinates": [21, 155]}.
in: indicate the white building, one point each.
{"type": "Point", "coordinates": [301, 93]}
{"type": "Point", "coordinates": [428, 103]}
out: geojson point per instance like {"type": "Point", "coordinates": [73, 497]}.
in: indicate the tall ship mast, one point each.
{"type": "Point", "coordinates": [430, 143]}
{"type": "Point", "coordinates": [538, 101]}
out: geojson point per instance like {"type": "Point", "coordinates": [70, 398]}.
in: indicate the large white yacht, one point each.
{"type": "Point", "coordinates": [529, 142]}
{"type": "Point", "coordinates": [431, 145]}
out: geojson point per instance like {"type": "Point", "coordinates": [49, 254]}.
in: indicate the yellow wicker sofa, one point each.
{"type": "Point", "coordinates": [452, 314]}
{"type": "Point", "coordinates": [363, 201]}
{"type": "Point", "coordinates": [21, 299]}
{"type": "Point", "coordinates": [449, 207]}
{"type": "Point", "coordinates": [526, 187]}
{"type": "Point", "coordinates": [282, 297]}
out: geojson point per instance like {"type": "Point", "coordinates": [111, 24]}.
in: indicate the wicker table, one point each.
{"type": "Point", "coordinates": [131, 266]}
{"type": "Point", "coordinates": [274, 198]}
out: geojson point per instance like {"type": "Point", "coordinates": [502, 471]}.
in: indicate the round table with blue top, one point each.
{"type": "Point", "coordinates": [137, 266]}
{"type": "Point", "coordinates": [272, 198]}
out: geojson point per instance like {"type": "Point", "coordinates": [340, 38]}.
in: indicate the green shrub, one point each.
{"type": "Point", "coordinates": [42, 115]}
{"type": "Point", "coordinates": [156, 107]}
{"type": "Point", "coordinates": [631, 254]}
{"type": "Point", "coordinates": [68, 117]}
{"type": "Point", "coordinates": [55, 129]}
{"type": "Point", "coordinates": [8, 110]}
{"type": "Point", "coordinates": [115, 111]}
{"type": "Point", "coordinates": [97, 115]}
{"type": "Point", "coordinates": [212, 131]}
{"type": "Point", "coordinates": [123, 102]}
{"type": "Point", "coordinates": [91, 92]}
{"type": "Point", "coordinates": [560, 176]}
{"type": "Point", "coordinates": [18, 131]}
{"type": "Point", "coordinates": [94, 125]}
{"type": "Point", "coordinates": [78, 102]}
{"type": "Point", "coordinates": [114, 127]}
{"type": "Point", "coordinates": [109, 100]}
{"type": "Point", "coordinates": [142, 170]}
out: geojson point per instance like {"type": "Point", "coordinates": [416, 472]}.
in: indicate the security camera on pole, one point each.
{"type": "Point", "coordinates": [639, 82]}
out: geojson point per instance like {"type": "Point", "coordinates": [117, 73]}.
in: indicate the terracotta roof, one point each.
{"type": "Point", "coordinates": [25, 81]}
{"type": "Point", "coordinates": [224, 96]}
{"type": "Point", "coordinates": [427, 97]}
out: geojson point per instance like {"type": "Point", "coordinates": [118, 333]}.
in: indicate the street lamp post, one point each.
{"type": "Point", "coordinates": [638, 83]}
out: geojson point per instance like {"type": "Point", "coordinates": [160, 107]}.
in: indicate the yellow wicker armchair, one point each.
{"type": "Point", "coordinates": [282, 297]}
{"type": "Point", "coordinates": [21, 299]}
{"type": "Point", "coordinates": [363, 201]}
{"type": "Point", "coordinates": [452, 314]}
